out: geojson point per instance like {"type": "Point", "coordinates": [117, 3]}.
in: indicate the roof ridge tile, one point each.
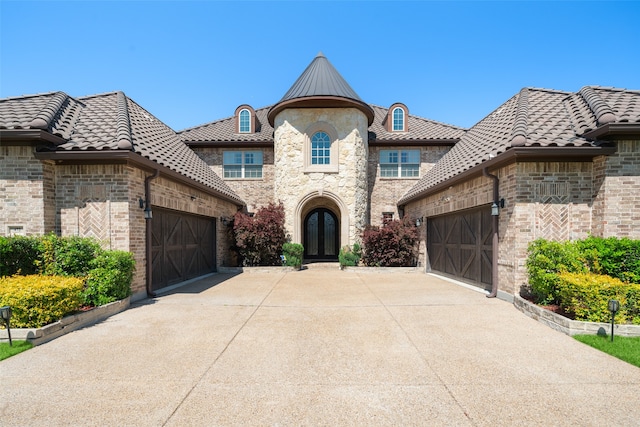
{"type": "Point", "coordinates": [520, 124]}
{"type": "Point", "coordinates": [603, 112]}
{"type": "Point", "coordinates": [45, 117]}
{"type": "Point", "coordinates": [123, 129]}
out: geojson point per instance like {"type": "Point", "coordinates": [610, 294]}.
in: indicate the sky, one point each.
{"type": "Point", "coordinates": [194, 62]}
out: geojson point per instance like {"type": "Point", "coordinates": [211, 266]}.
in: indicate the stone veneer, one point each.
{"type": "Point", "coordinates": [341, 186]}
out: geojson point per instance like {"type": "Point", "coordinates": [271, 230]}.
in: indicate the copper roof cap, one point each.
{"type": "Point", "coordinates": [320, 85]}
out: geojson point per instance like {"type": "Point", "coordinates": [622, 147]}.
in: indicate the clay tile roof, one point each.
{"type": "Point", "coordinates": [418, 129]}
{"type": "Point", "coordinates": [320, 84]}
{"type": "Point", "coordinates": [224, 130]}
{"type": "Point", "coordinates": [54, 112]}
{"type": "Point", "coordinates": [109, 122]}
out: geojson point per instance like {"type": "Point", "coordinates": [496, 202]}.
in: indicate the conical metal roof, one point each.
{"type": "Point", "coordinates": [320, 85]}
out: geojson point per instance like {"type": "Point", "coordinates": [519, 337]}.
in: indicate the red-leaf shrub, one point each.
{"type": "Point", "coordinates": [395, 244]}
{"type": "Point", "coordinates": [259, 239]}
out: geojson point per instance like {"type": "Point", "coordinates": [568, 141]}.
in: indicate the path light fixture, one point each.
{"type": "Point", "coordinates": [614, 306]}
{"type": "Point", "coordinates": [5, 315]}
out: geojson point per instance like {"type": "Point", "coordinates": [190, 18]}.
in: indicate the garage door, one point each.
{"type": "Point", "coordinates": [182, 245]}
{"type": "Point", "coordinates": [459, 245]}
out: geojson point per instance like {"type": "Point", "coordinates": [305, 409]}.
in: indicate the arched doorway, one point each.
{"type": "Point", "coordinates": [321, 235]}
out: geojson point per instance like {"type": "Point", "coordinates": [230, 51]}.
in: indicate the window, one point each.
{"type": "Point", "coordinates": [320, 149]}
{"type": "Point", "coordinates": [398, 119]}
{"type": "Point", "coordinates": [244, 125]}
{"type": "Point", "coordinates": [242, 164]}
{"type": "Point", "coordinates": [399, 163]}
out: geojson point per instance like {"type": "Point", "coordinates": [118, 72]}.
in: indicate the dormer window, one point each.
{"type": "Point", "coordinates": [396, 120]}
{"type": "Point", "coordinates": [246, 121]}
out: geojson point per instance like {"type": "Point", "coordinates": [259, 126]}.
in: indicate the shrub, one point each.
{"type": "Point", "coordinates": [350, 256]}
{"type": "Point", "coordinates": [110, 278]}
{"type": "Point", "coordinates": [39, 300]}
{"type": "Point", "coordinates": [546, 259]}
{"type": "Point", "coordinates": [612, 256]}
{"type": "Point", "coordinates": [259, 239]}
{"type": "Point", "coordinates": [293, 254]}
{"type": "Point", "coordinates": [587, 295]}
{"type": "Point", "coordinates": [19, 255]}
{"type": "Point", "coordinates": [68, 256]}
{"type": "Point", "coordinates": [392, 245]}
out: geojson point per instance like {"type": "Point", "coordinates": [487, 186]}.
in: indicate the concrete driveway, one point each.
{"type": "Point", "coordinates": [318, 347]}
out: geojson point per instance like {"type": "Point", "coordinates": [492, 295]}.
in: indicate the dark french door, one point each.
{"type": "Point", "coordinates": [321, 235]}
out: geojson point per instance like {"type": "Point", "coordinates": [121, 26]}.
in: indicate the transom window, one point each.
{"type": "Point", "coordinates": [320, 149]}
{"type": "Point", "coordinates": [245, 121]}
{"type": "Point", "coordinates": [242, 164]}
{"type": "Point", "coordinates": [399, 163]}
{"type": "Point", "coordinates": [398, 119]}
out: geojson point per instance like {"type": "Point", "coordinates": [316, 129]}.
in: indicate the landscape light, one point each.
{"type": "Point", "coordinates": [5, 315]}
{"type": "Point", "coordinates": [614, 306]}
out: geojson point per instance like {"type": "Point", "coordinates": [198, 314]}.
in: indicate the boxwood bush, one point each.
{"type": "Point", "coordinates": [293, 254]}
{"type": "Point", "coordinates": [350, 256]}
{"type": "Point", "coordinates": [37, 300]}
{"type": "Point", "coordinates": [587, 295]}
{"type": "Point", "coordinates": [107, 274]}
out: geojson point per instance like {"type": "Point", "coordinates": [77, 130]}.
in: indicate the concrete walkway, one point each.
{"type": "Point", "coordinates": [318, 347]}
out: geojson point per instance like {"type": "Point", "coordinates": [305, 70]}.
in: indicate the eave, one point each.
{"type": "Point", "coordinates": [24, 137]}
{"type": "Point", "coordinates": [321, 101]}
{"type": "Point", "coordinates": [412, 142]}
{"type": "Point", "coordinates": [614, 131]}
{"type": "Point", "coordinates": [516, 154]}
{"type": "Point", "coordinates": [229, 144]}
{"type": "Point", "coordinates": [132, 159]}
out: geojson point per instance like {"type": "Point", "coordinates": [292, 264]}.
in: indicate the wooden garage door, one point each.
{"type": "Point", "coordinates": [182, 245]}
{"type": "Point", "coordinates": [459, 245]}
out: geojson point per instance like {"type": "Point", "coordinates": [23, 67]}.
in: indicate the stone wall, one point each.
{"type": "Point", "coordinates": [255, 192]}
{"type": "Point", "coordinates": [344, 182]}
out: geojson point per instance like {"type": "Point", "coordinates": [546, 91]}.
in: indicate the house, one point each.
{"type": "Point", "coordinates": [546, 163]}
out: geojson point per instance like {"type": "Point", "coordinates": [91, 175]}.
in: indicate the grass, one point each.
{"type": "Point", "coordinates": [7, 351]}
{"type": "Point", "coordinates": [624, 348]}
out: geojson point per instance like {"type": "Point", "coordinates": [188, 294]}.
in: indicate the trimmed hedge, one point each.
{"type": "Point", "coordinates": [293, 254]}
{"type": "Point", "coordinates": [615, 257]}
{"type": "Point", "coordinates": [350, 256]}
{"type": "Point", "coordinates": [110, 278]}
{"type": "Point", "coordinates": [587, 295]}
{"type": "Point", "coordinates": [37, 300]}
{"type": "Point", "coordinates": [20, 255]}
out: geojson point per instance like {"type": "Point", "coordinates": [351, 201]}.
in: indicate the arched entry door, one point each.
{"type": "Point", "coordinates": [321, 235]}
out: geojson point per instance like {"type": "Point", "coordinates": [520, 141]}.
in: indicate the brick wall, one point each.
{"type": "Point", "coordinates": [616, 205]}
{"type": "Point", "coordinates": [385, 192]}
{"type": "Point", "coordinates": [255, 192]}
{"type": "Point", "coordinates": [25, 185]}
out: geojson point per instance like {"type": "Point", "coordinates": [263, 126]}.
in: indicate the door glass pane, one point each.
{"type": "Point", "coordinates": [329, 234]}
{"type": "Point", "coordinates": [312, 234]}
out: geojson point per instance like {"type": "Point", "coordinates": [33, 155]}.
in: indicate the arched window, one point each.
{"type": "Point", "coordinates": [398, 119]}
{"type": "Point", "coordinates": [320, 148]}
{"type": "Point", "coordinates": [244, 121]}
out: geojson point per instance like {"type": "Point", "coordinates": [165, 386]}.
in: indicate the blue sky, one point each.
{"type": "Point", "coordinates": [192, 62]}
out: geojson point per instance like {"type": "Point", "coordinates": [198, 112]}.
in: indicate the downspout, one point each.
{"type": "Point", "coordinates": [148, 231]}
{"type": "Point", "coordinates": [495, 239]}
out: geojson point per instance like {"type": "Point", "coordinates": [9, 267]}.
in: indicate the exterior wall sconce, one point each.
{"type": "Point", "coordinates": [5, 316]}
{"type": "Point", "coordinates": [148, 213]}
{"type": "Point", "coordinates": [419, 221]}
{"type": "Point", "coordinates": [614, 306]}
{"type": "Point", "coordinates": [226, 221]}
{"type": "Point", "coordinates": [496, 206]}
{"type": "Point", "coordinates": [193, 198]}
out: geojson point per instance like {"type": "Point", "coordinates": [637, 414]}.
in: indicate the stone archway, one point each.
{"type": "Point", "coordinates": [322, 203]}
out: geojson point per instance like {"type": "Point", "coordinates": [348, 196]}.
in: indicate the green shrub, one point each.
{"type": "Point", "coordinates": [546, 259]}
{"type": "Point", "coordinates": [20, 255]}
{"type": "Point", "coordinates": [39, 300]}
{"type": "Point", "coordinates": [350, 256]}
{"type": "Point", "coordinates": [395, 244]}
{"type": "Point", "coordinates": [109, 278]}
{"type": "Point", "coordinates": [68, 256]}
{"type": "Point", "coordinates": [587, 295]}
{"type": "Point", "coordinates": [293, 254]}
{"type": "Point", "coordinates": [615, 257]}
